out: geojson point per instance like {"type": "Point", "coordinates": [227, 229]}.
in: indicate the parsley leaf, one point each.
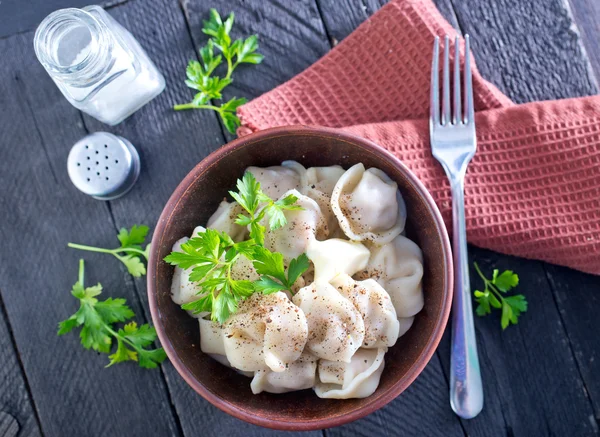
{"type": "Point", "coordinates": [492, 297]}
{"type": "Point", "coordinates": [130, 253]}
{"type": "Point", "coordinates": [212, 254]}
{"type": "Point", "coordinates": [201, 75]}
{"type": "Point", "coordinates": [297, 267]}
{"type": "Point", "coordinates": [96, 319]}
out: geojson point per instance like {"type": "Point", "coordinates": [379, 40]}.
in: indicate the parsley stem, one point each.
{"type": "Point", "coordinates": [103, 250]}
{"type": "Point", "coordinates": [194, 106]}
{"type": "Point", "coordinates": [488, 284]}
{"type": "Point", "coordinates": [230, 68]}
{"type": "Point", "coordinates": [81, 272]}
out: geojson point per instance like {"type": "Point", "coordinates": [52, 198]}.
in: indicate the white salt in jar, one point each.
{"type": "Point", "coordinates": [97, 64]}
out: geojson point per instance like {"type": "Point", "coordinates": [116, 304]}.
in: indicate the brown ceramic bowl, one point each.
{"type": "Point", "coordinates": [198, 196]}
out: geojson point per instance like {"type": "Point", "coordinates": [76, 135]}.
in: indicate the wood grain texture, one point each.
{"type": "Point", "coordinates": [170, 143]}
{"type": "Point", "coordinates": [532, 385]}
{"type": "Point", "coordinates": [341, 17]}
{"type": "Point", "coordinates": [291, 36]}
{"type": "Point", "coordinates": [18, 16]}
{"type": "Point", "coordinates": [42, 211]}
{"type": "Point", "coordinates": [586, 14]}
{"type": "Point", "coordinates": [578, 299]}
{"type": "Point", "coordinates": [16, 410]}
{"type": "Point", "coordinates": [529, 49]}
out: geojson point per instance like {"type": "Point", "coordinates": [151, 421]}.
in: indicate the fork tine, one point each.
{"type": "Point", "coordinates": [457, 110]}
{"type": "Point", "coordinates": [468, 96]}
{"type": "Point", "coordinates": [446, 116]}
{"type": "Point", "coordinates": [434, 102]}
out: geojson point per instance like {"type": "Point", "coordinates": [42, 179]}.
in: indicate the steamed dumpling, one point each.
{"type": "Point", "coordinates": [334, 256]}
{"type": "Point", "coordinates": [336, 329]}
{"type": "Point", "coordinates": [318, 184]}
{"type": "Point", "coordinates": [368, 205]}
{"type": "Point", "coordinates": [374, 304]}
{"type": "Point", "coordinates": [243, 270]}
{"type": "Point", "coordinates": [323, 178]}
{"type": "Point", "coordinates": [302, 227]}
{"type": "Point", "coordinates": [398, 267]}
{"type": "Point", "coordinates": [267, 331]}
{"type": "Point", "coordinates": [224, 220]}
{"type": "Point", "coordinates": [357, 379]}
{"type": "Point", "coordinates": [182, 289]}
{"type": "Point", "coordinates": [276, 180]}
{"type": "Point", "coordinates": [212, 344]}
{"type": "Point", "coordinates": [299, 375]}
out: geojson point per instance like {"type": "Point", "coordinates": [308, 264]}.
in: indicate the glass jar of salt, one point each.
{"type": "Point", "coordinates": [96, 63]}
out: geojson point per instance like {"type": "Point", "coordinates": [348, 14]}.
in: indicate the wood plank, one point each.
{"type": "Point", "coordinates": [587, 19]}
{"type": "Point", "coordinates": [283, 35]}
{"type": "Point", "coordinates": [341, 17]}
{"type": "Point", "coordinates": [578, 299]}
{"type": "Point", "coordinates": [171, 143]}
{"type": "Point", "coordinates": [17, 18]}
{"type": "Point", "coordinates": [41, 211]}
{"type": "Point", "coordinates": [17, 413]}
{"type": "Point", "coordinates": [530, 50]}
{"type": "Point", "coordinates": [531, 379]}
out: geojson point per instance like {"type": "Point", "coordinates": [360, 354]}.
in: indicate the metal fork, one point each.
{"type": "Point", "coordinates": [453, 144]}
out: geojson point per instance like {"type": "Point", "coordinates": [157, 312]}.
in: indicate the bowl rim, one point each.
{"type": "Point", "coordinates": [246, 415]}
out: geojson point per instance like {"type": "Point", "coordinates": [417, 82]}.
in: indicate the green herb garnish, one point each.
{"type": "Point", "coordinates": [97, 318]}
{"type": "Point", "coordinates": [212, 254]}
{"type": "Point", "coordinates": [130, 253]}
{"type": "Point", "coordinates": [201, 77]}
{"type": "Point", "coordinates": [494, 296]}
{"type": "Point", "coordinates": [250, 197]}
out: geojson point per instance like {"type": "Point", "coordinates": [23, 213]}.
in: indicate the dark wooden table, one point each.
{"type": "Point", "coordinates": [541, 378]}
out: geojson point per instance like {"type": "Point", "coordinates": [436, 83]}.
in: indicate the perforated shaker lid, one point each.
{"type": "Point", "coordinates": [103, 165]}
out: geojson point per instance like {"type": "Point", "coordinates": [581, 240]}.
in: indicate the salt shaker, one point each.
{"type": "Point", "coordinates": [96, 63]}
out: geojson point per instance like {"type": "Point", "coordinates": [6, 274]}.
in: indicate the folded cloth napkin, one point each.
{"type": "Point", "coordinates": [533, 187]}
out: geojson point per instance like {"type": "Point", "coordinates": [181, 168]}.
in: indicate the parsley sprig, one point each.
{"type": "Point", "coordinates": [96, 319]}
{"type": "Point", "coordinates": [201, 74]}
{"type": "Point", "coordinates": [130, 253]}
{"type": "Point", "coordinates": [212, 254]}
{"type": "Point", "coordinates": [250, 197]}
{"type": "Point", "coordinates": [494, 295]}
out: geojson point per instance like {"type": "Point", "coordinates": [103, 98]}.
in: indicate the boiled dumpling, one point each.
{"type": "Point", "coordinates": [375, 306]}
{"type": "Point", "coordinates": [299, 375]}
{"type": "Point", "coordinates": [267, 331]}
{"type": "Point", "coordinates": [318, 184]}
{"type": "Point", "coordinates": [243, 270]}
{"type": "Point", "coordinates": [357, 379]}
{"type": "Point", "coordinates": [334, 256]}
{"type": "Point", "coordinates": [336, 329]}
{"type": "Point", "coordinates": [302, 227]}
{"type": "Point", "coordinates": [276, 180]}
{"type": "Point", "coordinates": [223, 220]}
{"type": "Point", "coordinates": [398, 267]}
{"type": "Point", "coordinates": [368, 205]}
{"type": "Point", "coordinates": [182, 289]}
{"type": "Point", "coordinates": [405, 324]}
{"type": "Point", "coordinates": [212, 344]}
{"type": "Point", "coordinates": [323, 178]}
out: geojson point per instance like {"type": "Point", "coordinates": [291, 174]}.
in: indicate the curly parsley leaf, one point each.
{"type": "Point", "coordinates": [201, 75]}
{"type": "Point", "coordinates": [493, 297]}
{"type": "Point", "coordinates": [96, 319]}
{"type": "Point", "coordinates": [130, 253]}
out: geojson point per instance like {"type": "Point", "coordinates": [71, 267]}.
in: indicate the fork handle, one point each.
{"type": "Point", "coordinates": [466, 392]}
